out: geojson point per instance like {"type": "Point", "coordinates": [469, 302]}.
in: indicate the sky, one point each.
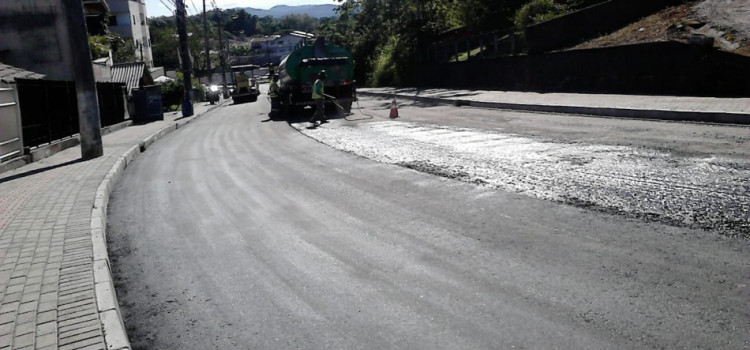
{"type": "Point", "coordinates": [155, 8]}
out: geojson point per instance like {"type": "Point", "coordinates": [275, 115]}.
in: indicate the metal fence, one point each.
{"type": "Point", "coordinates": [473, 46]}
{"type": "Point", "coordinates": [49, 110]}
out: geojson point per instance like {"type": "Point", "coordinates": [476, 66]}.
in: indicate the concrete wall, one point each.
{"type": "Point", "coordinates": [590, 23]}
{"type": "Point", "coordinates": [103, 69]}
{"type": "Point", "coordinates": [669, 68]}
{"type": "Point", "coordinates": [34, 36]}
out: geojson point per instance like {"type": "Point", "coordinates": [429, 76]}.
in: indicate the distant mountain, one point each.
{"type": "Point", "coordinates": [315, 11]}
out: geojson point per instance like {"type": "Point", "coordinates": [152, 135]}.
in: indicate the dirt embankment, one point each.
{"type": "Point", "coordinates": [725, 22]}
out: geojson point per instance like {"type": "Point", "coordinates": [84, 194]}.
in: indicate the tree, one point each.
{"type": "Point", "coordinates": [302, 22]}
{"type": "Point", "coordinates": [538, 11]}
{"type": "Point", "coordinates": [385, 35]}
{"type": "Point", "coordinates": [164, 45]}
{"type": "Point", "coordinates": [101, 45]}
{"type": "Point", "coordinates": [267, 25]}
{"type": "Point", "coordinates": [241, 23]}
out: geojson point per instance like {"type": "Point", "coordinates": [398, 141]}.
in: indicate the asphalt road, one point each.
{"type": "Point", "coordinates": [237, 232]}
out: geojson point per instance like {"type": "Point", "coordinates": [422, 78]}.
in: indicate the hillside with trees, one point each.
{"type": "Point", "coordinates": [385, 35]}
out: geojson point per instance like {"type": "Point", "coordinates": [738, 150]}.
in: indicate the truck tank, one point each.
{"type": "Point", "coordinates": [300, 68]}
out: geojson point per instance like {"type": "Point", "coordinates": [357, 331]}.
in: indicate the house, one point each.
{"type": "Point", "coordinates": [128, 19]}
{"type": "Point", "coordinates": [135, 75]}
{"type": "Point", "coordinates": [96, 15]}
{"type": "Point", "coordinates": [272, 49]}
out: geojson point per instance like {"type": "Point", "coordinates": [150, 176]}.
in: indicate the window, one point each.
{"type": "Point", "coordinates": [133, 19]}
{"type": "Point", "coordinates": [112, 20]}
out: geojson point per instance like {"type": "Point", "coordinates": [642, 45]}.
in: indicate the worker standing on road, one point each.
{"type": "Point", "coordinates": [273, 93]}
{"type": "Point", "coordinates": [318, 97]}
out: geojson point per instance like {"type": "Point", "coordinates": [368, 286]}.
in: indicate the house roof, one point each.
{"type": "Point", "coordinates": [163, 79]}
{"type": "Point", "coordinates": [302, 34]}
{"type": "Point", "coordinates": [264, 38]}
{"type": "Point", "coordinates": [8, 74]}
{"type": "Point", "coordinates": [132, 74]}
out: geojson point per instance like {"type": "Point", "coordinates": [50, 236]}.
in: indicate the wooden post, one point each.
{"type": "Point", "coordinates": [89, 123]}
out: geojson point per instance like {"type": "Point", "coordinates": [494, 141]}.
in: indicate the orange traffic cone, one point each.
{"type": "Point", "coordinates": [394, 108]}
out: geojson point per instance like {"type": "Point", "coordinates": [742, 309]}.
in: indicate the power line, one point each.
{"type": "Point", "coordinates": [187, 12]}
{"type": "Point", "coordinates": [167, 6]}
{"type": "Point", "coordinates": [197, 12]}
{"type": "Point", "coordinates": [172, 2]}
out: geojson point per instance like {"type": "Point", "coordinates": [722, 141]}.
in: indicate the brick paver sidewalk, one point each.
{"type": "Point", "coordinates": [47, 294]}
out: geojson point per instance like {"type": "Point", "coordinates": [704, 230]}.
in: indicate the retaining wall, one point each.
{"type": "Point", "coordinates": [668, 68]}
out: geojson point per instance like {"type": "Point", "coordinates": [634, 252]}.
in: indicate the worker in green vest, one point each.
{"type": "Point", "coordinates": [318, 96]}
{"type": "Point", "coordinates": [273, 93]}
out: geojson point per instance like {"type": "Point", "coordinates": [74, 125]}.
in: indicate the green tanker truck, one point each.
{"type": "Point", "coordinates": [300, 68]}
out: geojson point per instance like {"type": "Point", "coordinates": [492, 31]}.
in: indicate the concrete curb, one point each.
{"type": "Point", "coordinates": [115, 335]}
{"type": "Point", "coordinates": [693, 116]}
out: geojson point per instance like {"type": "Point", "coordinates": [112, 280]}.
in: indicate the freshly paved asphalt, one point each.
{"type": "Point", "coordinates": [236, 232]}
{"type": "Point", "coordinates": [47, 259]}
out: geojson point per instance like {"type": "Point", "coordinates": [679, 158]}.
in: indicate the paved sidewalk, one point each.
{"type": "Point", "coordinates": [47, 271]}
{"type": "Point", "coordinates": [706, 109]}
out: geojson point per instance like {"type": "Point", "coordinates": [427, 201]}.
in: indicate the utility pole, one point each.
{"type": "Point", "coordinates": [88, 106]}
{"type": "Point", "coordinates": [187, 100]}
{"type": "Point", "coordinates": [221, 59]}
{"type": "Point", "coordinates": [205, 43]}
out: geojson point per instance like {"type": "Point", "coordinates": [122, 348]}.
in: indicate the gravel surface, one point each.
{"type": "Point", "coordinates": [727, 14]}
{"type": "Point", "coordinates": [699, 191]}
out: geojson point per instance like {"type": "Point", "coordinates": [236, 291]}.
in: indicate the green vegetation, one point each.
{"type": "Point", "coordinates": [122, 50]}
{"type": "Point", "coordinates": [538, 11]}
{"type": "Point", "coordinates": [383, 35]}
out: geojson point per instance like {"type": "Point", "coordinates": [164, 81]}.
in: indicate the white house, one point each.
{"type": "Point", "coordinates": [272, 49]}
{"type": "Point", "coordinates": [129, 20]}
